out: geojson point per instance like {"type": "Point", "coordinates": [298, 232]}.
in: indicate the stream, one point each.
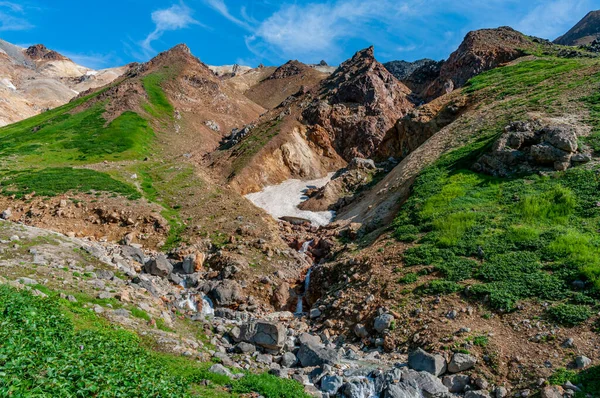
{"type": "Point", "coordinates": [303, 250]}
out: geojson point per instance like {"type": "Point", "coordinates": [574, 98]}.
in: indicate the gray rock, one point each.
{"type": "Point", "coordinates": [357, 388]}
{"type": "Point", "coordinates": [122, 312]}
{"type": "Point", "coordinates": [307, 338]}
{"type": "Point", "coordinates": [104, 295]}
{"type": "Point", "coordinates": [546, 154]}
{"type": "Point", "coordinates": [27, 281]}
{"type": "Point", "coordinates": [189, 264]}
{"type": "Point", "coordinates": [220, 370]}
{"type": "Point", "coordinates": [288, 360]}
{"type": "Point", "coordinates": [225, 293]}
{"type": "Point", "coordinates": [552, 392]}
{"type": "Point", "coordinates": [6, 214]}
{"type": "Point", "coordinates": [456, 383]}
{"type": "Point", "coordinates": [581, 158]}
{"type": "Point", "coordinates": [360, 163]}
{"type": "Point", "coordinates": [501, 392]}
{"type": "Point", "coordinates": [481, 383]}
{"type": "Point", "coordinates": [104, 274]}
{"type": "Point", "coordinates": [477, 394]}
{"type": "Point", "coordinates": [331, 384]}
{"type": "Point", "coordinates": [133, 253]}
{"type": "Point", "coordinates": [244, 348]}
{"type": "Point", "coordinates": [461, 362]}
{"type": "Point", "coordinates": [315, 313]}
{"type": "Point", "coordinates": [421, 360]}
{"type": "Point", "coordinates": [427, 382]}
{"type": "Point", "coordinates": [316, 355]}
{"type": "Point", "coordinates": [568, 343]}
{"type": "Point", "coordinates": [361, 331]}
{"type": "Point", "coordinates": [159, 266]}
{"type": "Point", "coordinates": [269, 335]}
{"type": "Point", "coordinates": [561, 137]}
{"type": "Point", "coordinates": [383, 322]}
{"type": "Point", "coordinates": [264, 358]}
{"type": "Point", "coordinates": [582, 362]}
{"type": "Point", "coordinates": [402, 390]}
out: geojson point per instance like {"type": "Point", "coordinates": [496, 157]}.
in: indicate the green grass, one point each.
{"type": "Point", "coordinates": [49, 350]}
{"type": "Point", "coordinates": [159, 103]}
{"type": "Point", "coordinates": [55, 181]}
{"type": "Point", "coordinates": [537, 234]}
{"type": "Point", "coordinates": [589, 379]}
{"type": "Point", "coordinates": [570, 314]}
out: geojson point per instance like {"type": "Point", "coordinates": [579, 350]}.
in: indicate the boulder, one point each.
{"type": "Point", "coordinates": [402, 390]}
{"type": "Point", "coordinates": [552, 392]}
{"type": "Point", "coordinates": [225, 293]}
{"type": "Point", "coordinates": [456, 383]}
{"type": "Point", "coordinates": [269, 335]}
{"type": "Point", "coordinates": [311, 354]}
{"type": "Point", "coordinates": [478, 394]}
{"type": "Point", "coordinates": [546, 154]}
{"type": "Point", "coordinates": [461, 362]}
{"type": "Point", "coordinates": [421, 360]}
{"type": "Point", "coordinates": [159, 266]}
{"type": "Point", "coordinates": [561, 137]}
{"type": "Point", "coordinates": [383, 322]}
{"type": "Point", "coordinates": [288, 360]}
{"type": "Point", "coordinates": [133, 253]}
{"type": "Point", "coordinates": [331, 384]}
{"type": "Point", "coordinates": [582, 362]}
{"type": "Point", "coordinates": [220, 370]}
{"type": "Point", "coordinates": [360, 163]}
{"type": "Point", "coordinates": [429, 384]}
{"type": "Point", "coordinates": [6, 214]}
{"type": "Point", "coordinates": [361, 331]}
{"type": "Point", "coordinates": [244, 348]}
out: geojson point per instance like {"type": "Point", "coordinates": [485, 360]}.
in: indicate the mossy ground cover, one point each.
{"type": "Point", "coordinates": [524, 237]}
{"type": "Point", "coordinates": [50, 347]}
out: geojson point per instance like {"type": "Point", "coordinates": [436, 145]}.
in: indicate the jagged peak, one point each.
{"type": "Point", "coordinates": [39, 52]}
{"type": "Point", "coordinates": [291, 68]}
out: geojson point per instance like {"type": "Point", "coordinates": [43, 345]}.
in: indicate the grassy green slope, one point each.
{"type": "Point", "coordinates": [514, 238]}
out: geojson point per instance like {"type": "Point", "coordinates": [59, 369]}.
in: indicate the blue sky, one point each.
{"type": "Point", "coordinates": [114, 32]}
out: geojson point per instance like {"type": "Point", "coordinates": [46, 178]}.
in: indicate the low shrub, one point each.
{"type": "Point", "coordinates": [570, 314]}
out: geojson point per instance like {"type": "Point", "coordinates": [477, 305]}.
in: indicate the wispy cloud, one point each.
{"type": "Point", "coordinates": [12, 17]}
{"type": "Point", "coordinates": [178, 16]}
{"type": "Point", "coordinates": [94, 60]}
{"type": "Point", "coordinates": [221, 8]}
{"type": "Point", "coordinates": [550, 19]}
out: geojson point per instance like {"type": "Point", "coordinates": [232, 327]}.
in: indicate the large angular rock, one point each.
{"type": "Point", "coordinates": [461, 362]}
{"type": "Point", "coordinates": [225, 293]}
{"type": "Point", "coordinates": [456, 383]}
{"type": "Point", "coordinates": [561, 137]}
{"type": "Point", "coordinates": [311, 354]}
{"type": "Point", "coordinates": [547, 154]}
{"type": "Point", "coordinates": [159, 266]}
{"type": "Point", "coordinates": [402, 390]}
{"type": "Point", "coordinates": [421, 360]}
{"type": "Point", "coordinates": [133, 253]}
{"type": "Point", "coordinates": [220, 370]}
{"type": "Point", "coordinates": [331, 384]}
{"type": "Point", "coordinates": [426, 382]}
{"type": "Point", "coordinates": [269, 335]}
{"type": "Point", "coordinates": [383, 322]}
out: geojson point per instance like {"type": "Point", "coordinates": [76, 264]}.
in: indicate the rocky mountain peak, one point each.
{"type": "Point", "coordinates": [481, 50]}
{"type": "Point", "coordinates": [290, 68]}
{"type": "Point", "coordinates": [584, 32]}
{"type": "Point", "coordinates": [39, 52]}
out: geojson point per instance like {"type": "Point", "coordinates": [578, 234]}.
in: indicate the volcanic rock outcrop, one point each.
{"type": "Point", "coordinates": [585, 32]}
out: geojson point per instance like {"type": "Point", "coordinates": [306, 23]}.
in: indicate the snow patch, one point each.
{"type": "Point", "coordinates": [282, 200]}
{"type": "Point", "coordinates": [7, 83]}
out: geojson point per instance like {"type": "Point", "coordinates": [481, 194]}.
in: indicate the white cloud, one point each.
{"type": "Point", "coordinates": [11, 18]}
{"type": "Point", "coordinates": [178, 16]}
{"type": "Point", "coordinates": [93, 60]}
{"type": "Point", "coordinates": [221, 8]}
{"type": "Point", "coordinates": [552, 19]}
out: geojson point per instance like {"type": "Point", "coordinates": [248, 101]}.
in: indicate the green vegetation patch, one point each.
{"type": "Point", "coordinates": [45, 351]}
{"type": "Point", "coordinates": [521, 237]}
{"type": "Point", "coordinates": [159, 103]}
{"type": "Point", "coordinates": [56, 181]}
{"type": "Point", "coordinates": [588, 379]}
{"type": "Point", "coordinates": [75, 138]}
{"type": "Point", "coordinates": [253, 143]}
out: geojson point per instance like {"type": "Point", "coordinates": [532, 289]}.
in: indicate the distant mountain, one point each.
{"type": "Point", "coordinates": [584, 32]}
{"type": "Point", "coordinates": [36, 78]}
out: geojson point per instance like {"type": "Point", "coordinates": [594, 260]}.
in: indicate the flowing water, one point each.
{"type": "Point", "coordinates": [189, 301]}
{"type": "Point", "coordinates": [303, 250]}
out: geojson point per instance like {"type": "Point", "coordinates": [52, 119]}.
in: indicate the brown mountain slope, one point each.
{"type": "Point", "coordinates": [286, 80]}
{"type": "Point", "coordinates": [584, 32]}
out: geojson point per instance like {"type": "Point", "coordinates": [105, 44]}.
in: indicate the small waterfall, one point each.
{"type": "Point", "coordinates": [208, 307]}
{"type": "Point", "coordinates": [299, 305]}
{"type": "Point", "coordinates": [189, 301]}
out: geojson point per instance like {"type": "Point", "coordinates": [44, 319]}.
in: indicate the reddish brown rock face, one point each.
{"type": "Point", "coordinates": [358, 104]}
{"type": "Point", "coordinates": [40, 52]}
{"type": "Point", "coordinates": [481, 50]}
